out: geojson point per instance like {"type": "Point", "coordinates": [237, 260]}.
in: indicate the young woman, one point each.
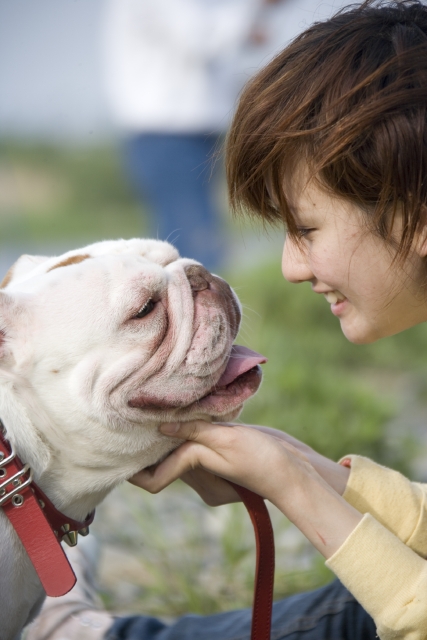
{"type": "Point", "coordinates": [331, 140]}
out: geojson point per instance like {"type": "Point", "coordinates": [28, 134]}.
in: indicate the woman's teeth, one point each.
{"type": "Point", "coordinates": [334, 296]}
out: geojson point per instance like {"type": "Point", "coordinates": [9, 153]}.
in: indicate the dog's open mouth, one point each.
{"type": "Point", "coordinates": [239, 381]}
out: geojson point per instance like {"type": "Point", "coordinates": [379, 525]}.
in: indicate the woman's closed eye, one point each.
{"type": "Point", "coordinates": [303, 232]}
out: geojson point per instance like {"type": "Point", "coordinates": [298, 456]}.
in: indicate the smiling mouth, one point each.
{"type": "Point", "coordinates": [334, 296]}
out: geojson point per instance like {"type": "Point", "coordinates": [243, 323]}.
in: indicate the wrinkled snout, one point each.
{"type": "Point", "coordinates": [211, 290]}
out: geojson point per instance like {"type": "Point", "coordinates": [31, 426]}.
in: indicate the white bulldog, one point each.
{"type": "Point", "coordinates": [97, 348]}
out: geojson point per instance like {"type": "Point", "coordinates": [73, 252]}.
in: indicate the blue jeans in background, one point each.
{"type": "Point", "coordinates": [176, 175]}
{"type": "Point", "coordinates": [329, 613]}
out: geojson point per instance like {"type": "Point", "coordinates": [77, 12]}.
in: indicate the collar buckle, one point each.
{"type": "Point", "coordinates": [5, 461]}
{"type": "Point", "coordinates": [18, 483]}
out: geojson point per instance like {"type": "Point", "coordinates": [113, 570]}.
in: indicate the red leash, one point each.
{"type": "Point", "coordinates": [264, 573]}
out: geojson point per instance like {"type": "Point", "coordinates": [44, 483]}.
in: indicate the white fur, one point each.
{"type": "Point", "coordinates": [71, 358]}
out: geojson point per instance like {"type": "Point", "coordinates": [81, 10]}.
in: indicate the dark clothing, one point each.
{"type": "Point", "coordinates": [329, 613]}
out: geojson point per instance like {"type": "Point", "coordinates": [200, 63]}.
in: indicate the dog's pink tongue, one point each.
{"type": "Point", "coordinates": [241, 360]}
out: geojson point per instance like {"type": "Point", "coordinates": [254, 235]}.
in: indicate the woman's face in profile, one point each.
{"type": "Point", "coordinates": [352, 267]}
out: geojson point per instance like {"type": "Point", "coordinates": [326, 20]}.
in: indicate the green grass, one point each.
{"type": "Point", "coordinates": [71, 195]}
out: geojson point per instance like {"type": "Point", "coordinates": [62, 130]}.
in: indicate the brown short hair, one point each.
{"type": "Point", "coordinates": [349, 95]}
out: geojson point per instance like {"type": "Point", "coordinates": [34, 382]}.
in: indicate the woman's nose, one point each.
{"type": "Point", "coordinates": [295, 265]}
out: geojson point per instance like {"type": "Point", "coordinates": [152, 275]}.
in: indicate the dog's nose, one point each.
{"type": "Point", "coordinates": [198, 277]}
{"type": "Point", "coordinates": [201, 279]}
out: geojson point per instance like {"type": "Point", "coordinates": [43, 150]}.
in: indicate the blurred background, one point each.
{"type": "Point", "coordinates": [110, 114]}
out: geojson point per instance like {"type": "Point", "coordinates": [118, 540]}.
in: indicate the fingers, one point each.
{"type": "Point", "coordinates": [156, 478]}
{"type": "Point", "coordinates": [214, 437]}
{"type": "Point", "coordinates": [200, 437]}
{"type": "Point", "coordinates": [295, 444]}
{"type": "Point", "coordinates": [213, 490]}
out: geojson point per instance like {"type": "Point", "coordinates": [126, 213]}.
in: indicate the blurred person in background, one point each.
{"type": "Point", "coordinates": [173, 70]}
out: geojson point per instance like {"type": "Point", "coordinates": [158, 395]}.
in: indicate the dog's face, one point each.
{"type": "Point", "coordinates": [109, 341]}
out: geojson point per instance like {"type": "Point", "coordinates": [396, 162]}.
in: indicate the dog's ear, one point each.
{"type": "Point", "coordinates": [6, 312]}
{"type": "Point", "coordinates": [13, 319]}
{"type": "Point", "coordinates": [13, 322]}
{"type": "Point", "coordinates": [24, 265]}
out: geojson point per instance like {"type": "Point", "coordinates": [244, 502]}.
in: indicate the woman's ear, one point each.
{"type": "Point", "coordinates": [420, 240]}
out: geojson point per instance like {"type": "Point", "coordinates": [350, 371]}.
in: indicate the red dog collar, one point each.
{"type": "Point", "coordinates": [38, 523]}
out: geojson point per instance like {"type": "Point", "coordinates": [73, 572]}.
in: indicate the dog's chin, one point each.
{"type": "Point", "coordinates": [174, 443]}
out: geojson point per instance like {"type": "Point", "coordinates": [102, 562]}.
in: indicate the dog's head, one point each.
{"type": "Point", "coordinates": [104, 343]}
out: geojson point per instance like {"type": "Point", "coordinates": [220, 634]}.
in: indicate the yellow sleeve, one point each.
{"type": "Point", "coordinates": [387, 578]}
{"type": "Point", "coordinates": [397, 503]}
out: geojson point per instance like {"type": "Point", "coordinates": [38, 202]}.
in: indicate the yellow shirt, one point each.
{"type": "Point", "coordinates": [382, 561]}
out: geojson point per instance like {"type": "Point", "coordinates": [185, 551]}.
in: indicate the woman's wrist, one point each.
{"type": "Point", "coordinates": [336, 474]}
{"type": "Point", "coordinates": [320, 513]}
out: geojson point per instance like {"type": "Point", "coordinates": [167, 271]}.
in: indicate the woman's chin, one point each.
{"type": "Point", "coordinates": [359, 333]}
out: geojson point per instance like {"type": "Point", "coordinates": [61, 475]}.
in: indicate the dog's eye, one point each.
{"type": "Point", "coordinates": [145, 310]}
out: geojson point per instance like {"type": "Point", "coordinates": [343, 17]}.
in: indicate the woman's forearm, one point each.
{"type": "Point", "coordinates": [320, 513]}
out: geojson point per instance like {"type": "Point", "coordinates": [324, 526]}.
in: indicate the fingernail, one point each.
{"type": "Point", "coordinates": [169, 428]}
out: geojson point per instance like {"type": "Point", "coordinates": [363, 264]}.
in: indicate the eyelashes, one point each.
{"type": "Point", "coordinates": [303, 232]}
{"type": "Point", "coordinates": [146, 309]}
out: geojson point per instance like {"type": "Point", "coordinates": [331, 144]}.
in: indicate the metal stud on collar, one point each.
{"type": "Point", "coordinates": [70, 537]}
{"type": "Point", "coordinates": [18, 500]}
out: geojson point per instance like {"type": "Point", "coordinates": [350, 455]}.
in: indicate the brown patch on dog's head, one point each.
{"type": "Point", "coordinates": [70, 260]}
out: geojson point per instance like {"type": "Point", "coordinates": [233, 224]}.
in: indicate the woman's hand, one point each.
{"type": "Point", "coordinates": [264, 462]}
{"type": "Point", "coordinates": [219, 451]}
{"type": "Point", "coordinates": [215, 491]}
